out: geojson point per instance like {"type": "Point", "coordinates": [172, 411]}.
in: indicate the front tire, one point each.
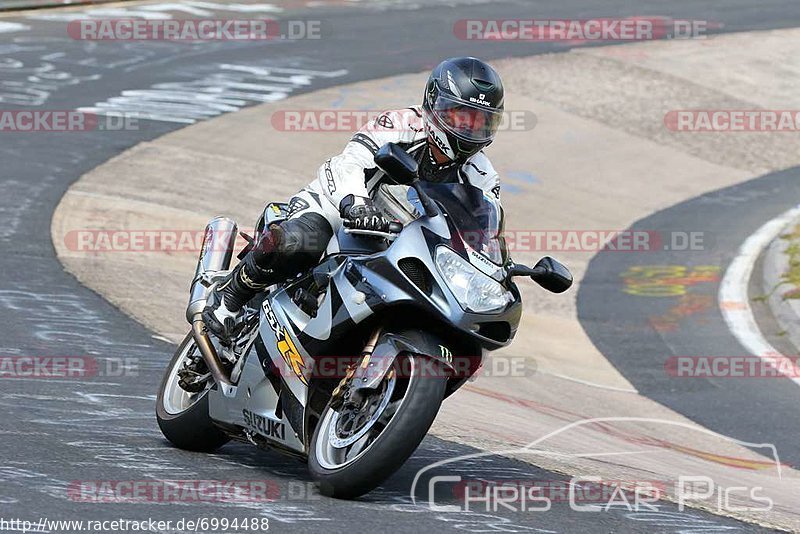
{"type": "Point", "coordinates": [409, 419]}
{"type": "Point", "coordinates": [183, 417]}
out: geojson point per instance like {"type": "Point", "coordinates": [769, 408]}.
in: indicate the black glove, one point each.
{"type": "Point", "coordinates": [360, 213]}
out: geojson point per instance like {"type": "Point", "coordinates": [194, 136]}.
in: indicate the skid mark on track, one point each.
{"type": "Point", "coordinates": [62, 317]}
{"type": "Point", "coordinates": [636, 438]}
{"type": "Point", "coordinates": [35, 81]}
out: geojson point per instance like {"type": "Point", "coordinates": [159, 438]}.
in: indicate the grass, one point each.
{"type": "Point", "coordinates": [791, 276]}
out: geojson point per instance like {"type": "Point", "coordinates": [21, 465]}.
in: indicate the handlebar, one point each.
{"type": "Point", "coordinates": [394, 229]}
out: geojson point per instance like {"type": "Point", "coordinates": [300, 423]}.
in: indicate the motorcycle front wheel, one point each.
{"type": "Point", "coordinates": [354, 450]}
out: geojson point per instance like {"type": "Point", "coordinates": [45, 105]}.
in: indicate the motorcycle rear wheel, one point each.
{"type": "Point", "coordinates": [182, 416]}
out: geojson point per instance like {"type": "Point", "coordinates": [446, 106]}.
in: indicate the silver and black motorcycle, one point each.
{"type": "Point", "coordinates": [347, 365]}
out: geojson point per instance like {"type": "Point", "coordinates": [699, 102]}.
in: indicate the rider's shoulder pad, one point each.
{"type": "Point", "coordinates": [480, 172]}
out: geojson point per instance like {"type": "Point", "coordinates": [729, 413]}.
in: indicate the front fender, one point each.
{"type": "Point", "coordinates": [371, 372]}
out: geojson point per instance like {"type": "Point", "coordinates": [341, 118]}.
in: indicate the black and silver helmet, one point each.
{"type": "Point", "coordinates": [463, 106]}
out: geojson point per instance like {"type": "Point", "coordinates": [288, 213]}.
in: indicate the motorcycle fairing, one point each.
{"type": "Point", "coordinates": [360, 285]}
{"type": "Point", "coordinates": [254, 408]}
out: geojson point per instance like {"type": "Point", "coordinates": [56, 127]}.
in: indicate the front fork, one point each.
{"type": "Point", "coordinates": [343, 391]}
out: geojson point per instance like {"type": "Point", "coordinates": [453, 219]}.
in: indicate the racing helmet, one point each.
{"type": "Point", "coordinates": [463, 106]}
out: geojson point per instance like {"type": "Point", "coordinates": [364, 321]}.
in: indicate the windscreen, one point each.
{"type": "Point", "coordinates": [472, 213]}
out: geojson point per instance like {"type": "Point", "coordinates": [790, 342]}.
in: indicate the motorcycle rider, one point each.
{"type": "Point", "coordinates": [461, 111]}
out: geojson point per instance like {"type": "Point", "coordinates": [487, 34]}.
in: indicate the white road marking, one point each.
{"type": "Point", "coordinates": [230, 88]}
{"type": "Point", "coordinates": [733, 299]}
{"type": "Point", "coordinates": [161, 11]}
{"type": "Point", "coordinates": [8, 27]}
{"type": "Point", "coordinates": [587, 383]}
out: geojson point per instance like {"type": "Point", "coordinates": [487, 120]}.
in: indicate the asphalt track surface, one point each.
{"type": "Point", "coordinates": [57, 432]}
{"type": "Point", "coordinates": [639, 332]}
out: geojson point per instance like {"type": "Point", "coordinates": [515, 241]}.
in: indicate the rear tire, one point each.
{"type": "Point", "coordinates": [392, 447]}
{"type": "Point", "coordinates": [187, 427]}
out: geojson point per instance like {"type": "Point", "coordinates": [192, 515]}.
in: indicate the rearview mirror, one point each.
{"type": "Point", "coordinates": [398, 165]}
{"type": "Point", "coordinates": [552, 275]}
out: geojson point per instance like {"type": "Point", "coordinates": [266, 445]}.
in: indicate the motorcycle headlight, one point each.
{"type": "Point", "coordinates": [474, 290]}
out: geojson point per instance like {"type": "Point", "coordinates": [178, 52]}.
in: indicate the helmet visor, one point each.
{"type": "Point", "coordinates": [470, 122]}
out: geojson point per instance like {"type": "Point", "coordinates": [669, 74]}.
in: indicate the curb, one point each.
{"type": "Point", "coordinates": [776, 285]}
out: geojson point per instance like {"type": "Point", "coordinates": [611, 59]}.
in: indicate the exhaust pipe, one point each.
{"type": "Point", "coordinates": [209, 354]}
{"type": "Point", "coordinates": [215, 255]}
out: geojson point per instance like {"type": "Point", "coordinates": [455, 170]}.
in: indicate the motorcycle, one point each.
{"type": "Point", "coordinates": [346, 366]}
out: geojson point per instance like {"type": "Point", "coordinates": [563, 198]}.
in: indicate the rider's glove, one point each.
{"type": "Point", "coordinates": [362, 214]}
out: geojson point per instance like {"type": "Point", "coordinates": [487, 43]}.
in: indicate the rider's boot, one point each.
{"type": "Point", "coordinates": [284, 250]}
{"type": "Point", "coordinates": [223, 312]}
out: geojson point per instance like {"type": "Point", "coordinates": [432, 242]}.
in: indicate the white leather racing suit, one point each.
{"type": "Point", "coordinates": [354, 171]}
